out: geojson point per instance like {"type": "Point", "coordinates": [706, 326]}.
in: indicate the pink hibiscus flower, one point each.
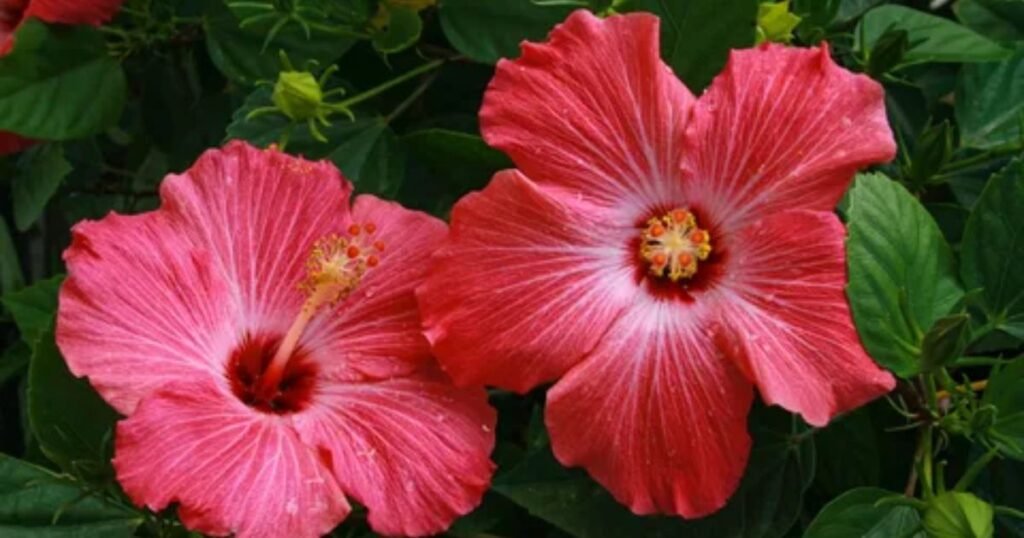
{"type": "Point", "coordinates": [14, 12]}
{"type": "Point", "coordinates": [659, 256]}
{"type": "Point", "coordinates": [262, 338]}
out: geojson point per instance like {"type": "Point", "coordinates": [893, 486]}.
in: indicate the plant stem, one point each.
{"type": "Point", "coordinates": [374, 92]}
{"type": "Point", "coordinates": [972, 472]}
{"type": "Point", "coordinates": [408, 101]}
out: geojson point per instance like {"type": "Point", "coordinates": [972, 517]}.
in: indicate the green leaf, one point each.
{"type": "Point", "coordinates": [956, 514]}
{"type": "Point", "coordinates": [14, 361]}
{"type": "Point", "coordinates": [33, 308]}
{"type": "Point", "coordinates": [696, 35]}
{"type": "Point", "coordinates": [11, 277]}
{"type": "Point", "coordinates": [463, 160]}
{"type": "Point", "coordinates": [41, 171]}
{"type": "Point", "coordinates": [59, 83]}
{"type": "Point", "coordinates": [854, 514]}
{"type": "Point", "coordinates": [993, 246]}
{"type": "Point", "coordinates": [902, 278]}
{"type": "Point", "coordinates": [945, 341]}
{"type": "Point", "coordinates": [73, 425]}
{"type": "Point", "coordinates": [990, 103]}
{"type": "Point", "coordinates": [366, 150]}
{"type": "Point", "coordinates": [403, 30]}
{"type": "Point", "coordinates": [1005, 391]}
{"type": "Point", "coordinates": [35, 503]}
{"type": "Point", "coordinates": [240, 55]}
{"type": "Point", "coordinates": [932, 38]}
{"type": "Point", "coordinates": [487, 31]}
{"type": "Point", "coordinates": [766, 504]}
{"type": "Point", "coordinates": [1002, 20]}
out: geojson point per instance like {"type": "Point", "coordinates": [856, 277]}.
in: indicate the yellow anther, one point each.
{"type": "Point", "coordinates": [673, 245]}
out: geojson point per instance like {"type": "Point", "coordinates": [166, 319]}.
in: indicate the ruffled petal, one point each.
{"type": "Point", "coordinates": [593, 110]}
{"type": "Point", "coordinates": [655, 414]}
{"type": "Point", "coordinates": [413, 450]}
{"type": "Point", "coordinates": [90, 12]}
{"type": "Point", "coordinates": [10, 142]}
{"type": "Point", "coordinates": [526, 284]}
{"type": "Point", "coordinates": [377, 329]}
{"type": "Point", "coordinates": [259, 213]}
{"type": "Point", "coordinates": [141, 308]}
{"type": "Point", "coordinates": [232, 470]}
{"type": "Point", "coordinates": [785, 309]}
{"type": "Point", "coordinates": [782, 128]}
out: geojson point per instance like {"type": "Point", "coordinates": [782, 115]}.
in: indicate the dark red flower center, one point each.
{"type": "Point", "coordinates": [11, 14]}
{"type": "Point", "coordinates": [675, 257]}
{"type": "Point", "coordinates": [247, 367]}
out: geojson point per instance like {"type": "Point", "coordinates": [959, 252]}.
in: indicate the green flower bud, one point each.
{"type": "Point", "coordinates": [956, 514]}
{"type": "Point", "coordinates": [297, 94]}
{"type": "Point", "coordinates": [775, 22]}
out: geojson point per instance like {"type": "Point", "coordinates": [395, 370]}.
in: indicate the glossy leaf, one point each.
{"type": "Point", "coordinates": [42, 169]}
{"type": "Point", "coordinates": [855, 514]}
{"type": "Point", "coordinates": [35, 503]}
{"type": "Point", "coordinates": [932, 38]}
{"type": "Point", "coordinates": [59, 83]}
{"type": "Point", "coordinates": [993, 246]}
{"type": "Point", "coordinates": [901, 271]}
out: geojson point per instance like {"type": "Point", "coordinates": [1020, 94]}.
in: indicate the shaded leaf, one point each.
{"type": "Point", "coordinates": [1005, 391]}
{"type": "Point", "coordinates": [41, 171]}
{"type": "Point", "coordinates": [11, 277]}
{"type": "Point", "coordinates": [507, 23]}
{"type": "Point", "coordinates": [990, 103]}
{"type": "Point", "coordinates": [33, 308]}
{"type": "Point", "coordinates": [463, 160]}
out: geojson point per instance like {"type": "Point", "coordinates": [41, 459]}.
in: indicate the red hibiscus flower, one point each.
{"type": "Point", "coordinates": [262, 338]}
{"type": "Point", "coordinates": [14, 12]}
{"type": "Point", "coordinates": [659, 256]}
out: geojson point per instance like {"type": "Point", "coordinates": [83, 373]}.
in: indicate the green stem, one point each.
{"type": "Point", "coordinates": [973, 471]}
{"type": "Point", "coordinates": [982, 361]}
{"type": "Point", "coordinates": [408, 101]}
{"type": "Point", "coordinates": [1007, 511]}
{"type": "Point", "coordinates": [374, 92]}
{"type": "Point", "coordinates": [927, 483]}
{"type": "Point", "coordinates": [1000, 151]}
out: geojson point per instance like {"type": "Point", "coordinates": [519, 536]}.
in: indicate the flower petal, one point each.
{"type": "Point", "coordinates": [655, 414]}
{"type": "Point", "coordinates": [593, 110]}
{"type": "Point", "coordinates": [91, 12]}
{"type": "Point", "coordinates": [259, 212]}
{"type": "Point", "coordinates": [782, 128]}
{"type": "Point", "coordinates": [784, 304]}
{"type": "Point", "coordinates": [231, 469]}
{"type": "Point", "coordinates": [414, 450]}
{"type": "Point", "coordinates": [140, 308]}
{"type": "Point", "coordinates": [526, 284]}
{"type": "Point", "coordinates": [377, 329]}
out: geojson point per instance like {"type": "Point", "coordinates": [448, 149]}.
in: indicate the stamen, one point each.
{"type": "Point", "coordinates": [673, 245]}
{"type": "Point", "coordinates": [334, 269]}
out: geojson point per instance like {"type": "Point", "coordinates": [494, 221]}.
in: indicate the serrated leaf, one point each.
{"type": "Point", "coordinates": [932, 38]}
{"type": "Point", "coordinates": [993, 247]}
{"type": "Point", "coordinates": [74, 426]}
{"type": "Point", "coordinates": [58, 83]}
{"type": "Point", "coordinates": [33, 308]}
{"type": "Point", "coordinates": [41, 171]}
{"type": "Point", "coordinates": [507, 24]}
{"type": "Point", "coordinates": [902, 278]}
{"type": "Point", "coordinates": [35, 503]}
{"type": "Point", "coordinates": [990, 103]}
{"type": "Point", "coordinates": [855, 514]}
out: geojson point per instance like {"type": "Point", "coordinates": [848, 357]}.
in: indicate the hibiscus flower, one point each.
{"type": "Point", "coordinates": [14, 12]}
{"type": "Point", "coordinates": [262, 338]}
{"type": "Point", "coordinates": [659, 256]}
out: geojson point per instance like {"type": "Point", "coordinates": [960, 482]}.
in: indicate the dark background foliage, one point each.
{"type": "Point", "coordinates": [935, 237]}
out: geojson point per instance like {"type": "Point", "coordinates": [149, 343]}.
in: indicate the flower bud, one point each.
{"type": "Point", "coordinates": [297, 94]}
{"type": "Point", "coordinates": [957, 514]}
